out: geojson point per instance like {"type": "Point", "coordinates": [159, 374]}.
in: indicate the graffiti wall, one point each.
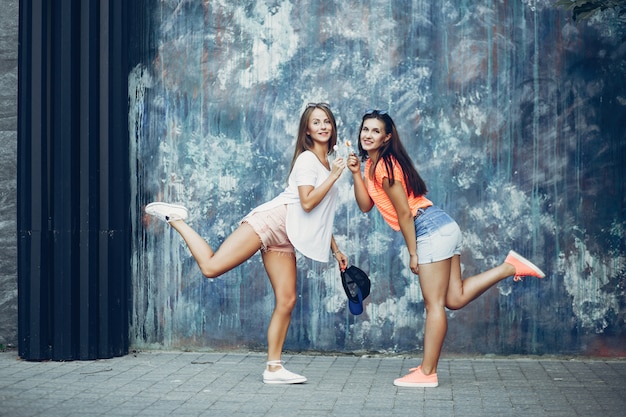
{"type": "Point", "coordinates": [513, 114]}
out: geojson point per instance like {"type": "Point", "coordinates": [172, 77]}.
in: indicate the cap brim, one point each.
{"type": "Point", "coordinates": [355, 308]}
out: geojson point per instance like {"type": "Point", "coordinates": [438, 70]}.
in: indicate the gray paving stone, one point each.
{"type": "Point", "coordinates": [230, 384]}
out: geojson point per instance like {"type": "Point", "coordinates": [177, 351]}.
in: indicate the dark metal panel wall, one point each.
{"type": "Point", "coordinates": [73, 216]}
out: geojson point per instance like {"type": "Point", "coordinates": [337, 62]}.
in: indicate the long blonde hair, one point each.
{"type": "Point", "coordinates": [304, 141]}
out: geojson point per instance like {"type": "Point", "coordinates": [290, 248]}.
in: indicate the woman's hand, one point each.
{"type": "Point", "coordinates": [342, 260]}
{"type": "Point", "coordinates": [337, 167]}
{"type": "Point", "coordinates": [354, 164]}
{"type": "Point", "coordinates": [414, 264]}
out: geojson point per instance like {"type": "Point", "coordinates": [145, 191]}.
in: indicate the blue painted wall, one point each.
{"type": "Point", "coordinates": [513, 114]}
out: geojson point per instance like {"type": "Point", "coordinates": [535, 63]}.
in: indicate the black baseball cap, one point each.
{"type": "Point", "coordinates": [357, 286]}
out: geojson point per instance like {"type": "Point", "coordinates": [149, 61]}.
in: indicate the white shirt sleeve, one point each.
{"type": "Point", "coordinates": [306, 170]}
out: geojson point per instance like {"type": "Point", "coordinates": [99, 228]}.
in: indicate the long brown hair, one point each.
{"type": "Point", "coordinates": [393, 149]}
{"type": "Point", "coordinates": [304, 141]}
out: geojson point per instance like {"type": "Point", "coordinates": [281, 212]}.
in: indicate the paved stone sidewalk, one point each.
{"type": "Point", "coordinates": [229, 384]}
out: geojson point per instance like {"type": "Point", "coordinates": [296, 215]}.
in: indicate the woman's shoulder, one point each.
{"type": "Point", "coordinates": [389, 161]}
{"type": "Point", "coordinates": [385, 169]}
{"type": "Point", "coordinates": [307, 154]}
{"type": "Point", "coordinates": [306, 157]}
{"type": "Point", "coordinates": [395, 164]}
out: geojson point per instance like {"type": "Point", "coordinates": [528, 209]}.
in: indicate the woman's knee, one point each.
{"type": "Point", "coordinates": [210, 271]}
{"type": "Point", "coordinates": [453, 305]}
{"type": "Point", "coordinates": [434, 308]}
{"type": "Point", "coordinates": [286, 302]}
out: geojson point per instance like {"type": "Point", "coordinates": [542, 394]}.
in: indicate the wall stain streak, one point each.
{"type": "Point", "coordinates": [513, 114]}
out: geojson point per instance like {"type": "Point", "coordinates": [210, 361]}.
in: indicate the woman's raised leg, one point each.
{"type": "Point", "coordinates": [237, 248]}
{"type": "Point", "coordinates": [462, 291]}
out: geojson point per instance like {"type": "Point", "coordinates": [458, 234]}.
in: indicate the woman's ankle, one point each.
{"type": "Point", "coordinates": [274, 365]}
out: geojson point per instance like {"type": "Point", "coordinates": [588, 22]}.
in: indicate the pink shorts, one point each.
{"type": "Point", "coordinates": [271, 227]}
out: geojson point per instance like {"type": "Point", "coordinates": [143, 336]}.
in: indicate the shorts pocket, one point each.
{"type": "Point", "coordinates": [449, 229]}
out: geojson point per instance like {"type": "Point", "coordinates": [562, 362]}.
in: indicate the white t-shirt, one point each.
{"type": "Point", "coordinates": [310, 233]}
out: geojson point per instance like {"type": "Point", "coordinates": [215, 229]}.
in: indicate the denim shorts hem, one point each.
{"type": "Point", "coordinates": [438, 236]}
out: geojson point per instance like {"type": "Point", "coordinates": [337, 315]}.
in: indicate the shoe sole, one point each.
{"type": "Point", "coordinates": [416, 384]}
{"type": "Point", "coordinates": [149, 208]}
{"type": "Point", "coordinates": [282, 382]}
{"type": "Point", "coordinates": [529, 264]}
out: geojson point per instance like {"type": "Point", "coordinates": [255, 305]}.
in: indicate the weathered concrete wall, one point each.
{"type": "Point", "coordinates": [8, 172]}
{"type": "Point", "coordinates": [513, 114]}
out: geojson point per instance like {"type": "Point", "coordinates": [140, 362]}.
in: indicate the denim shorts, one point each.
{"type": "Point", "coordinates": [437, 234]}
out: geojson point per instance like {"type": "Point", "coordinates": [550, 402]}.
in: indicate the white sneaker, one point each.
{"type": "Point", "coordinates": [282, 376]}
{"type": "Point", "coordinates": [167, 212]}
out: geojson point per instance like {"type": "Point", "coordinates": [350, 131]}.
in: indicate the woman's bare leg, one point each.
{"type": "Point", "coordinates": [434, 279]}
{"type": "Point", "coordinates": [462, 291]}
{"type": "Point", "coordinates": [281, 270]}
{"type": "Point", "coordinates": [237, 248]}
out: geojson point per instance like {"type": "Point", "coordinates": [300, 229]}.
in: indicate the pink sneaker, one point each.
{"type": "Point", "coordinates": [417, 379]}
{"type": "Point", "coordinates": [523, 267]}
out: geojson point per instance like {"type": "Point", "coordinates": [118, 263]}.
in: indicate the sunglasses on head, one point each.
{"type": "Point", "coordinates": [325, 105]}
{"type": "Point", "coordinates": [375, 111]}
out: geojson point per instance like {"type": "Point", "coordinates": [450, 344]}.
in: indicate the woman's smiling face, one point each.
{"type": "Point", "coordinates": [320, 127]}
{"type": "Point", "coordinates": [373, 135]}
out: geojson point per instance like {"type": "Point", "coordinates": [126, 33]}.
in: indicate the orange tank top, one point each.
{"type": "Point", "coordinates": [380, 198]}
